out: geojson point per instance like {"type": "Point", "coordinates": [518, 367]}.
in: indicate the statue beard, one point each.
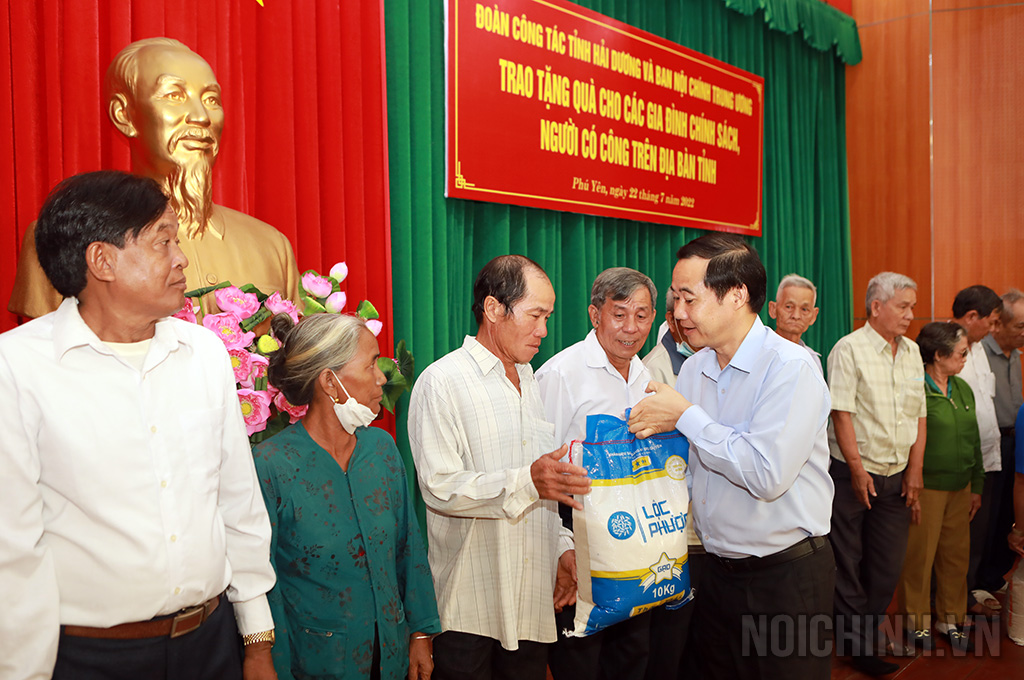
{"type": "Point", "coordinates": [189, 187]}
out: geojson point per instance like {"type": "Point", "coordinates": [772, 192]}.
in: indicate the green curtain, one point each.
{"type": "Point", "coordinates": [439, 244]}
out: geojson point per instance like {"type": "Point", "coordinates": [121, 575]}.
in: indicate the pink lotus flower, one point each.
{"type": "Point", "coordinates": [279, 305]}
{"type": "Point", "coordinates": [259, 367]}
{"type": "Point", "coordinates": [295, 413]}
{"type": "Point", "coordinates": [335, 302]}
{"type": "Point", "coordinates": [255, 409]}
{"type": "Point", "coordinates": [231, 299]}
{"type": "Point", "coordinates": [339, 272]}
{"type": "Point", "coordinates": [375, 326]}
{"type": "Point", "coordinates": [188, 312]}
{"type": "Point", "coordinates": [316, 286]}
{"type": "Point", "coordinates": [226, 326]}
{"type": "Point", "coordinates": [241, 364]}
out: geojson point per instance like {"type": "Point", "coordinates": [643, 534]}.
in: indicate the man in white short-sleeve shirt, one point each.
{"type": "Point", "coordinates": [601, 374]}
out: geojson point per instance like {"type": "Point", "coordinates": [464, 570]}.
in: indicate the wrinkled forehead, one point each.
{"type": "Point", "coordinates": [158, 62]}
{"type": "Point", "coordinates": [797, 295]}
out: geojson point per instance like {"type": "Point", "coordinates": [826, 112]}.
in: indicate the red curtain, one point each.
{"type": "Point", "coordinates": [304, 146]}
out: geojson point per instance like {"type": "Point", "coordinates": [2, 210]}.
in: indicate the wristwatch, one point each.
{"type": "Point", "coordinates": [262, 636]}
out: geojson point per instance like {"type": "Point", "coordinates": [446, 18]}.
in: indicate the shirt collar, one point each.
{"type": "Point", "coordinates": [596, 357]}
{"type": "Point", "coordinates": [746, 357]}
{"type": "Point", "coordinates": [880, 344]}
{"type": "Point", "coordinates": [70, 332]}
{"type": "Point", "coordinates": [483, 357]}
{"type": "Point", "coordinates": [992, 347]}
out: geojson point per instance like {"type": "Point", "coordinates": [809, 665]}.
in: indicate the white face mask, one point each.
{"type": "Point", "coordinates": [351, 414]}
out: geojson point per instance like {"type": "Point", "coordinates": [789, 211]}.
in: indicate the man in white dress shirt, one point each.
{"type": "Point", "coordinates": [130, 499]}
{"type": "Point", "coordinates": [794, 310]}
{"type": "Point", "coordinates": [491, 477]}
{"type": "Point", "coordinates": [977, 308]}
{"type": "Point", "coordinates": [601, 374]}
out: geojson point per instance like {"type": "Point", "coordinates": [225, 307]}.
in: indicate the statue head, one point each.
{"type": "Point", "coordinates": [165, 98]}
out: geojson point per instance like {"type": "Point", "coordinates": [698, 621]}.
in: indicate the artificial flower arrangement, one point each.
{"type": "Point", "coordinates": [244, 309]}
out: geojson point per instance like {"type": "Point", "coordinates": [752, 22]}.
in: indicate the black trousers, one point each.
{"type": "Point", "coordinates": [981, 527]}
{"type": "Point", "coordinates": [997, 558]}
{"type": "Point", "coordinates": [869, 547]}
{"type": "Point", "coordinates": [772, 622]}
{"type": "Point", "coordinates": [675, 653]}
{"type": "Point", "coordinates": [465, 656]}
{"type": "Point", "coordinates": [618, 652]}
{"type": "Point", "coordinates": [211, 652]}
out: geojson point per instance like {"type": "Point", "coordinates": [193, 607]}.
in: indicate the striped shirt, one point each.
{"type": "Point", "coordinates": [884, 395]}
{"type": "Point", "coordinates": [494, 546]}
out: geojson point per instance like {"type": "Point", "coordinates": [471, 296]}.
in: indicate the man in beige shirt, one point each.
{"type": "Point", "coordinates": [876, 440]}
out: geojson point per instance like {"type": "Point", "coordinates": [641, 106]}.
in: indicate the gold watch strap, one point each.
{"type": "Point", "coordinates": [262, 636]}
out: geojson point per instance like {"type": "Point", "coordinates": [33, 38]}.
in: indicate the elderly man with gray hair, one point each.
{"type": "Point", "coordinates": [794, 311]}
{"type": "Point", "coordinates": [877, 437]}
{"type": "Point", "coordinates": [601, 374]}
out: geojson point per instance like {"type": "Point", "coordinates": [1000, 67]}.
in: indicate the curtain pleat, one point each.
{"type": "Point", "coordinates": [439, 244]}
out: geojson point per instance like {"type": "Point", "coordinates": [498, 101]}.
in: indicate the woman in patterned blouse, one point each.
{"type": "Point", "coordinates": [354, 596]}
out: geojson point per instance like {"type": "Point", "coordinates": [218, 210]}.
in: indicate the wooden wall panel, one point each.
{"type": "Point", "coordinates": [972, 230]}
{"type": "Point", "coordinates": [888, 154]}
{"type": "Point", "coordinates": [979, 155]}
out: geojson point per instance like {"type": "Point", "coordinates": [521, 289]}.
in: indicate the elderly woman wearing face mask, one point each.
{"type": "Point", "coordinates": [953, 480]}
{"type": "Point", "coordinates": [354, 596]}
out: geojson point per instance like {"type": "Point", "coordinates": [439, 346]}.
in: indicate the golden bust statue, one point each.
{"type": "Point", "coordinates": [166, 100]}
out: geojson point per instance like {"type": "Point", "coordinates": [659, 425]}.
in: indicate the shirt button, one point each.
{"type": "Point", "coordinates": [152, 429]}
{"type": "Point", "coordinates": [211, 278]}
{"type": "Point", "coordinates": [163, 484]}
{"type": "Point", "coordinates": [703, 502]}
{"type": "Point", "coordinates": [524, 442]}
{"type": "Point", "coordinates": [177, 591]}
{"type": "Point", "coordinates": [174, 538]}
{"type": "Point", "coordinates": [723, 391]}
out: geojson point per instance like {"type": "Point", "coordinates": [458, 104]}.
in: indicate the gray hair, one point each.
{"type": "Point", "coordinates": [1010, 298]}
{"type": "Point", "coordinates": [317, 342]}
{"type": "Point", "coordinates": [883, 287]}
{"type": "Point", "coordinates": [123, 72]}
{"type": "Point", "coordinates": [618, 283]}
{"type": "Point", "coordinates": [670, 299]}
{"type": "Point", "coordinates": [796, 281]}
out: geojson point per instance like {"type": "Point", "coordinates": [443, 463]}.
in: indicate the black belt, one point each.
{"type": "Point", "coordinates": [1007, 431]}
{"type": "Point", "coordinates": [808, 546]}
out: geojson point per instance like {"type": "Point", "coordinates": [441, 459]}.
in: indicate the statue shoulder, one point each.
{"type": "Point", "coordinates": [252, 226]}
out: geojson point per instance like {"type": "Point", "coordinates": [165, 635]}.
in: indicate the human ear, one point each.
{"type": "Point", "coordinates": [101, 261]}
{"type": "Point", "coordinates": [771, 309]}
{"type": "Point", "coordinates": [594, 314]}
{"type": "Point", "coordinates": [118, 112]}
{"type": "Point", "coordinates": [493, 310]}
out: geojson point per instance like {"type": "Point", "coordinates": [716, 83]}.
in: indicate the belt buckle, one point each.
{"type": "Point", "coordinates": [197, 613]}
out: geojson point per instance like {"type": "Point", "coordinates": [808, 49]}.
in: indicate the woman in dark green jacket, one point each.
{"type": "Point", "coordinates": [953, 480]}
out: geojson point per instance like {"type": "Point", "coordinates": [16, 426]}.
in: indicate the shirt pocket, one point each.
{"type": "Point", "coordinates": [318, 652]}
{"type": "Point", "coordinates": [203, 434]}
{"type": "Point", "coordinates": [913, 397]}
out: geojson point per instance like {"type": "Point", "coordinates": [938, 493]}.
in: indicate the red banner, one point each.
{"type": "Point", "coordinates": [555, 106]}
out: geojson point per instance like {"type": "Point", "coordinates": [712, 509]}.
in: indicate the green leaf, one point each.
{"type": "Point", "coordinates": [406, 361]}
{"type": "Point", "coordinates": [396, 385]}
{"type": "Point", "coordinates": [367, 310]}
{"type": "Point", "coordinates": [261, 315]}
{"type": "Point", "coordinates": [312, 306]}
{"type": "Point", "coordinates": [275, 424]}
{"type": "Point", "coordinates": [200, 292]}
{"type": "Point", "coordinates": [250, 288]}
